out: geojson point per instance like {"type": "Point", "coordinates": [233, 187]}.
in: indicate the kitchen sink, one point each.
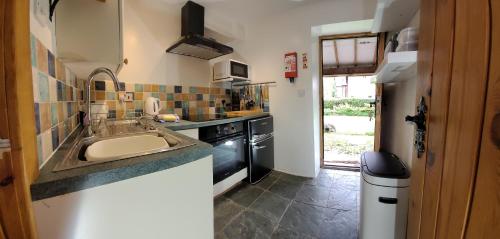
{"type": "Point", "coordinates": [120, 140]}
{"type": "Point", "coordinates": [125, 147]}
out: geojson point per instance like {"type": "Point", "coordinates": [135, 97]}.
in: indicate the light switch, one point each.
{"type": "Point", "coordinates": [301, 93]}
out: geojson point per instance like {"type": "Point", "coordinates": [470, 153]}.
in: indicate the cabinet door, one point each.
{"type": "Point", "coordinates": [89, 34]}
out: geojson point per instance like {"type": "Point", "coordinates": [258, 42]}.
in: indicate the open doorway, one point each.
{"type": "Point", "coordinates": [350, 98]}
{"type": "Point", "coordinates": [349, 122]}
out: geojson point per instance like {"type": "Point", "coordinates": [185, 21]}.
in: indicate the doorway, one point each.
{"type": "Point", "coordinates": [350, 98]}
{"type": "Point", "coordinates": [348, 116]}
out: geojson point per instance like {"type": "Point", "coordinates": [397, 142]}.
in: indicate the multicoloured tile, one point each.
{"type": "Point", "coordinates": [42, 57]}
{"type": "Point", "coordinates": [51, 64]}
{"type": "Point", "coordinates": [43, 87]}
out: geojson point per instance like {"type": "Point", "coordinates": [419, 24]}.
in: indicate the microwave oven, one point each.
{"type": "Point", "coordinates": [231, 70]}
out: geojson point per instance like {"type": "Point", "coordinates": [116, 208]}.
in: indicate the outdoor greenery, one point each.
{"type": "Point", "coordinates": [343, 146]}
{"type": "Point", "coordinates": [348, 107]}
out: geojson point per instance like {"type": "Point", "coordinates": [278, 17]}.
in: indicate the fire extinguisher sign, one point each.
{"type": "Point", "coordinates": [291, 65]}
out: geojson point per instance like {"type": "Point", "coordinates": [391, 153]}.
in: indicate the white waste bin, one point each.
{"type": "Point", "coordinates": [384, 196]}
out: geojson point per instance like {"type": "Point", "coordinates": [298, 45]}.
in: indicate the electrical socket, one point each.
{"type": "Point", "coordinates": [128, 96]}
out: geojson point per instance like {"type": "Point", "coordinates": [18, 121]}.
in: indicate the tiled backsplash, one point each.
{"type": "Point", "coordinates": [181, 100]}
{"type": "Point", "coordinates": [57, 96]}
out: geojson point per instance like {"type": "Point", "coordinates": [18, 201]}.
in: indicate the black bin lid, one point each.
{"type": "Point", "coordinates": [382, 164]}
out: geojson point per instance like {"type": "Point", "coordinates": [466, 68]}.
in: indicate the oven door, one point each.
{"type": "Point", "coordinates": [261, 159]}
{"type": "Point", "coordinates": [228, 156]}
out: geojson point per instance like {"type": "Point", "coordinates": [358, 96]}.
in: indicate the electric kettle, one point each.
{"type": "Point", "coordinates": [152, 106]}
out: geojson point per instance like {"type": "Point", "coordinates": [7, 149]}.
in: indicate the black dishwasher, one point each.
{"type": "Point", "coordinates": [260, 148]}
{"type": "Point", "coordinates": [228, 141]}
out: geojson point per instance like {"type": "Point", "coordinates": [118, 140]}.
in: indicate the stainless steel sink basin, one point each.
{"type": "Point", "coordinates": [120, 140]}
{"type": "Point", "coordinates": [125, 147]}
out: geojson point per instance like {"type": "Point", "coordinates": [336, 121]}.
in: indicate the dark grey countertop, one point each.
{"type": "Point", "coordinates": [181, 125]}
{"type": "Point", "coordinates": [51, 184]}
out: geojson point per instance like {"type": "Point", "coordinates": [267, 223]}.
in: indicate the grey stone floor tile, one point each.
{"type": "Point", "coordinates": [270, 205]}
{"type": "Point", "coordinates": [224, 211]}
{"type": "Point", "coordinates": [249, 224]}
{"type": "Point", "coordinates": [347, 182]}
{"type": "Point", "coordinates": [276, 173]}
{"type": "Point", "coordinates": [344, 225]}
{"type": "Point", "coordinates": [320, 181]}
{"type": "Point", "coordinates": [284, 233]}
{"type": "Point", "coordinates": [307, 219]}
{"type": "Point", "coordinates": [244, 194]}
{"type": "Point", "coordinates": [220, 235]}
{"type": "Point", "coordinates": [323, 207]}
{"type": "Point", "coordinates": [267, 182]}
{"type": "Point", "coordinates": [293, 178]}
{"type": "Point", "coordinates": [343, 199]}
{"type": "Point", "coordinates": [285, 188]}
{"type": "Point", "coordinates": [313, 195]}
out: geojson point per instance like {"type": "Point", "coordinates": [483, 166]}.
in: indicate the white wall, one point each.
{"type": "Point", "coordinates": [295, 107]}
{"type": "Point", "coordinates": [149, 29]}
{"type": "Point", "coordinates": [44, 32]}
{"type": "Point", "coordinates": [399, 100]}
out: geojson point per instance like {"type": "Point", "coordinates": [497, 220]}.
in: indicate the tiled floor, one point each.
{"type": "Point", "coordinates": [286, 206]}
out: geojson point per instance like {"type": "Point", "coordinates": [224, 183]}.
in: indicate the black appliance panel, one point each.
{"type": "Point", "coordinates": [192, 19]}
{"type": "Point", "coordinates": [260, 127]}
{"type": "Point", "coordinates": [217, 131]}
{"type": "Point", "coordinates": [261, 159]}
{"type": "Point", "coordinates": [228, 156]}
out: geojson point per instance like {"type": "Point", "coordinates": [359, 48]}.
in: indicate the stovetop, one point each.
{"type": "Point", "coordinates": [206, 117]}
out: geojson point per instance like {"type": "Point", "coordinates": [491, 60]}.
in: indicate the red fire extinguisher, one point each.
{"type": "Point", "coordinates": [291, 66]}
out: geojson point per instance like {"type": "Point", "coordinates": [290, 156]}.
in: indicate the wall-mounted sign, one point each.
{"type": "Point", "coordinates": [291, 71]}
{"type": "Point", "coordinates": [304, 61]}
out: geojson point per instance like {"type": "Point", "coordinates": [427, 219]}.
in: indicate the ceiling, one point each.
{"type": "Point", "coordinates": [243, 11]}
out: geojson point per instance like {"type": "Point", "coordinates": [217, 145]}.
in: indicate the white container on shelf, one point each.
{"type": "Point", "coordinates": [407, 46]}
{"type": "Point", "coordinates": [408, 34]}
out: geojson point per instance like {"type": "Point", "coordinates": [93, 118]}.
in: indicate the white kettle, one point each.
{"type": "Point", "coordinates": [152, 106]}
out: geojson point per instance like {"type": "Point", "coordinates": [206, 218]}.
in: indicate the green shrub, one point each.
{"type": "Point", "coordinates": [349, 107]}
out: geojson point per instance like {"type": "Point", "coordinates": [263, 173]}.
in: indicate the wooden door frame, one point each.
{"type": "Point", "coordinates": [362, 71]}
{"type": "Point", "coordinates": [18, 126]}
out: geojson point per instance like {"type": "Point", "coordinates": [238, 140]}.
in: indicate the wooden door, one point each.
{"type": "Point", "coordinates": [454, 53]}
{"type": "Point", "coordinates": [18, 163]}
{"type": "Point", "coordinates": [484, 220]}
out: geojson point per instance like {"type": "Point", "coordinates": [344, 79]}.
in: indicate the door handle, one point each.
{"type": "Point", "coordinates": [386, 200]}
{"type": "Point", "coordinates": [419, 121]}
{"type": "Point", "coordinates": [6, 181]}
{"type": "Point", "coordinates": [259, 147]}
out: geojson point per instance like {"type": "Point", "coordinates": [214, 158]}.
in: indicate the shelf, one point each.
{"type": "Point", "coordinates": [393, 15]}
{"type": "Point", "coordinates": [397, 66]}
{"type": "Point", "coordinates": [256, 83]}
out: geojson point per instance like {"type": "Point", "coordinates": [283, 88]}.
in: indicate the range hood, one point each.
{"type": "Point", "coordinates": [192, 42]}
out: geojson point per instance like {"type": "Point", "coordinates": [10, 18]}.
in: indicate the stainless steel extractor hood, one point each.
{"type": "Point", "coordinates": [192, 42]}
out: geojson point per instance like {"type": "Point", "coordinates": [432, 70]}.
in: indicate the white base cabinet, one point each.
{"type": "Point", "coordinates": [174, 203]}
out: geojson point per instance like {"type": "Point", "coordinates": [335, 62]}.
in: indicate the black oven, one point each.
{"type": "Point", "coordinates": [229, 144]}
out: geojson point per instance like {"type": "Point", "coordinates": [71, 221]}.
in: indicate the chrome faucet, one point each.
{"type": "Point", "coordinates": [89, 85]}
